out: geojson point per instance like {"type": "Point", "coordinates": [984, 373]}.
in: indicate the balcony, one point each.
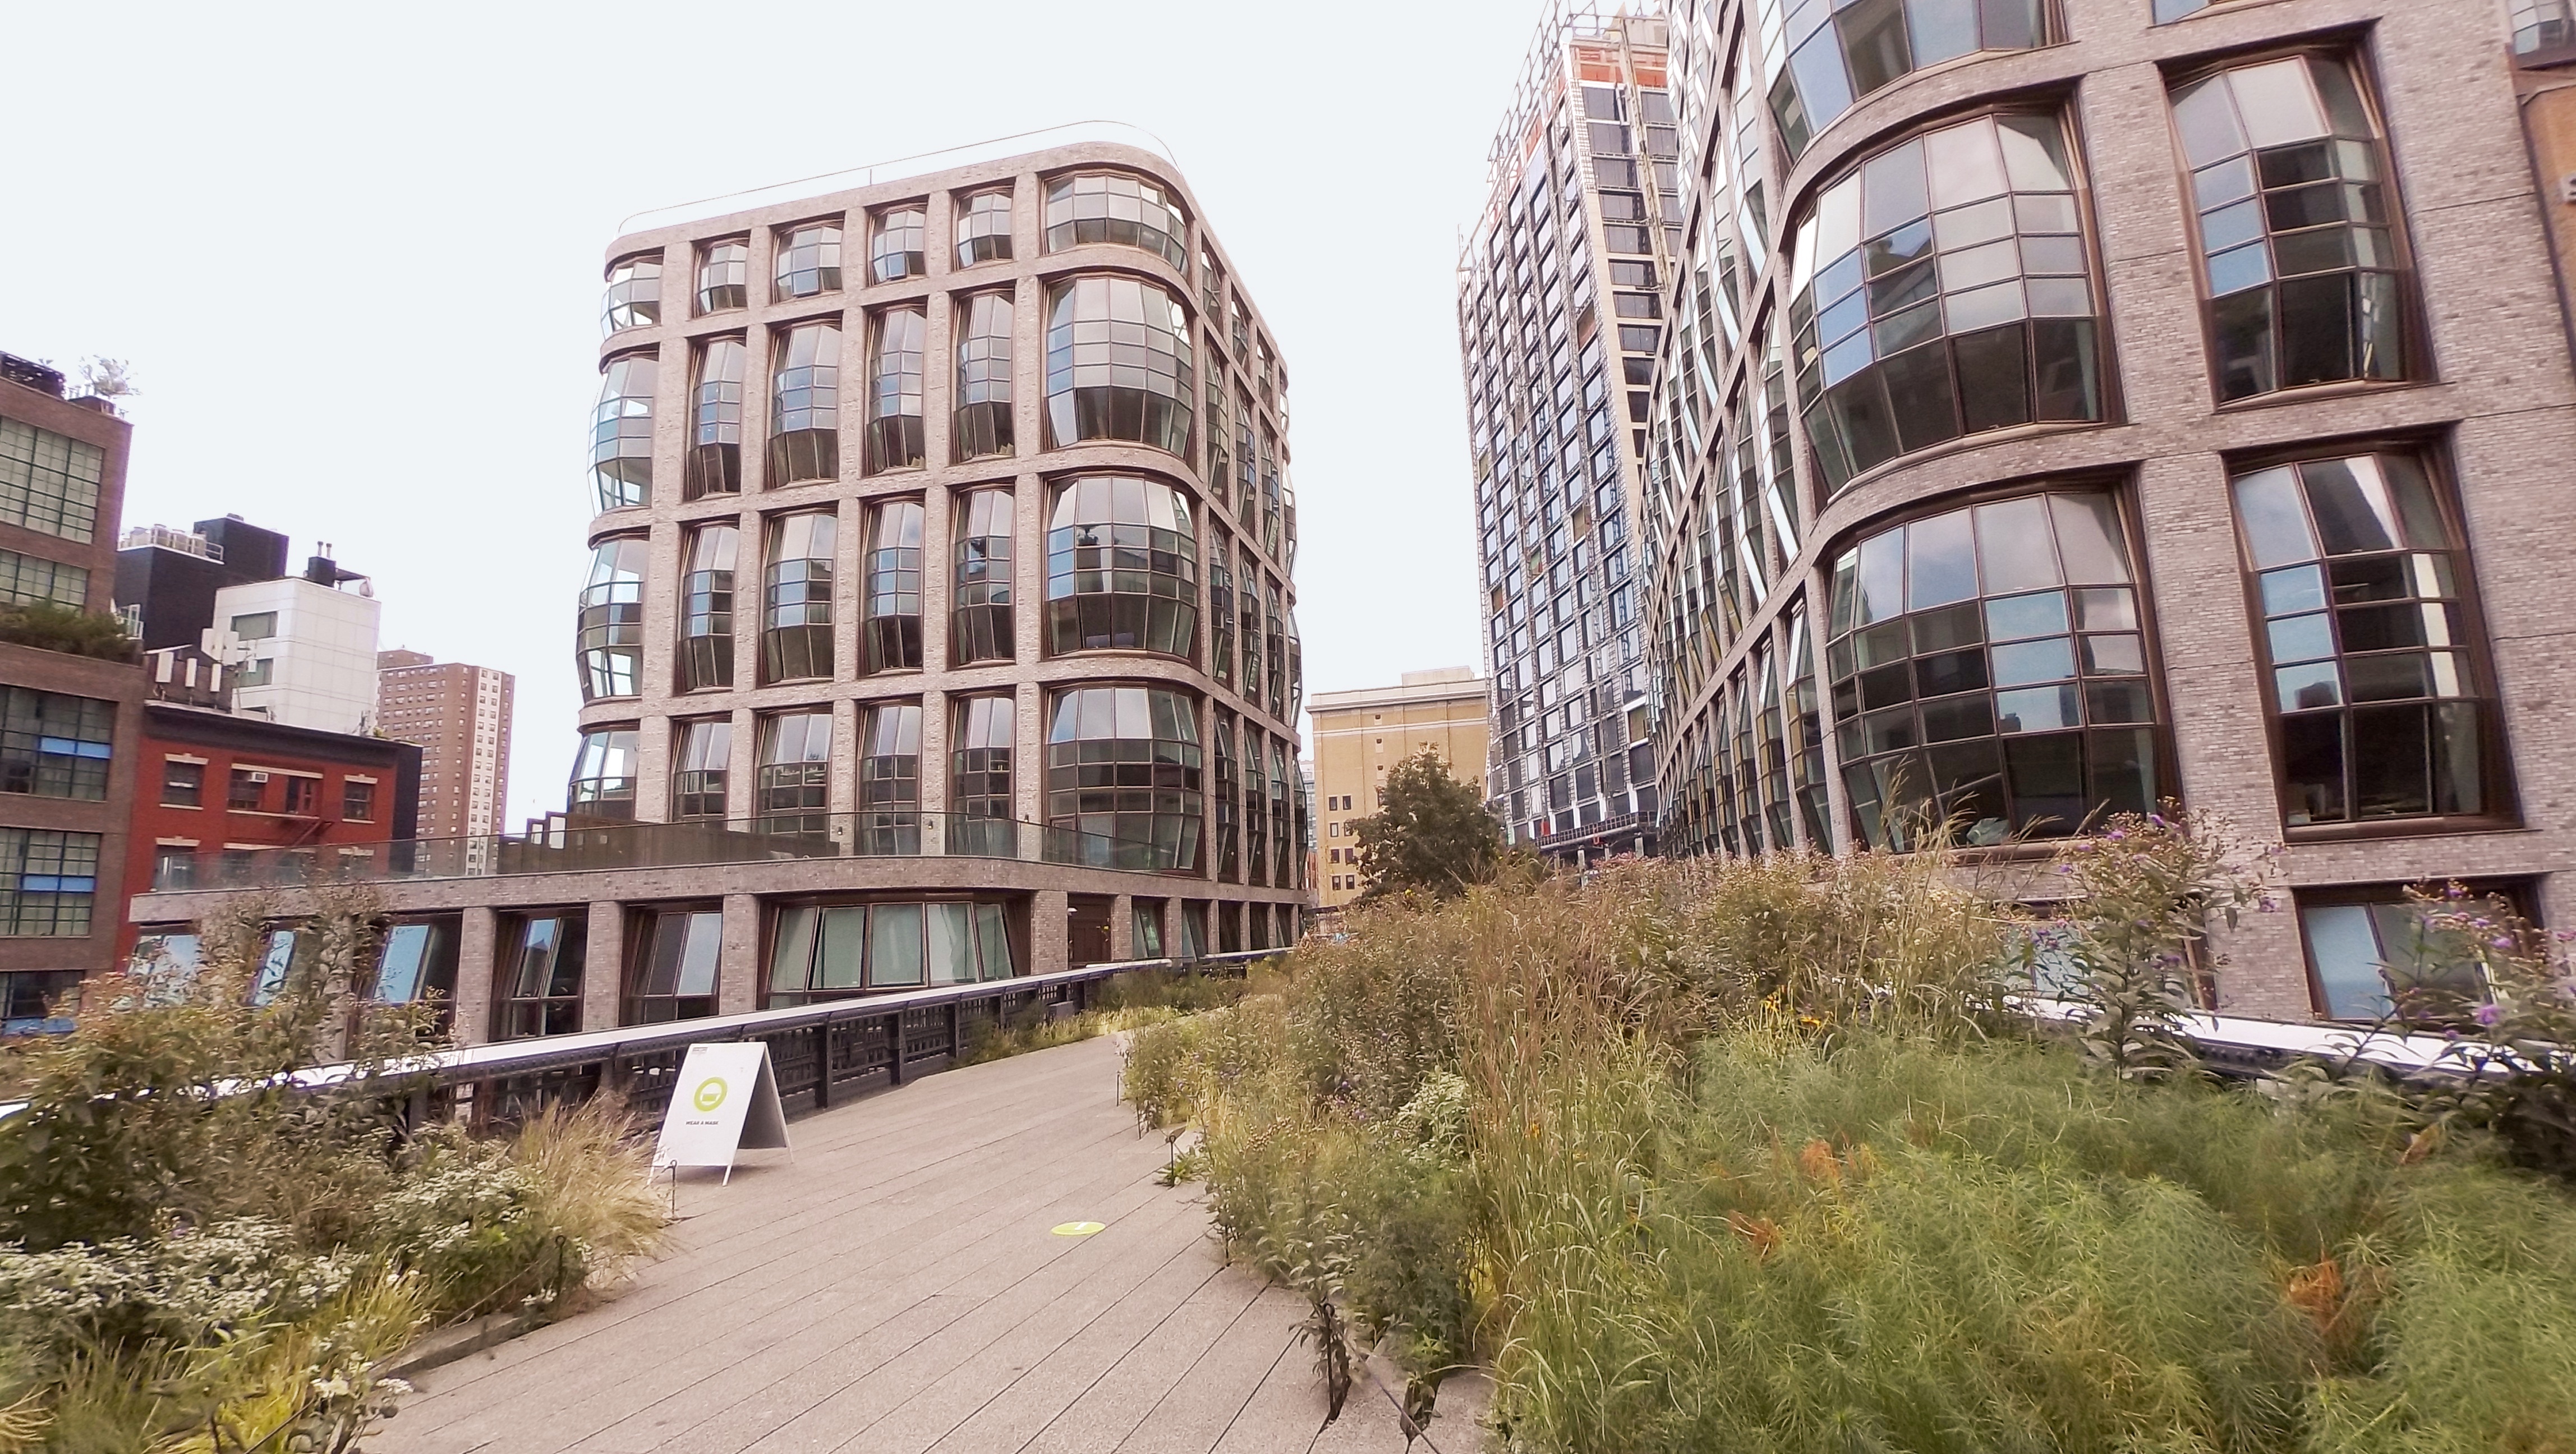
{"type": "Point", "coordinates": [559, 846]}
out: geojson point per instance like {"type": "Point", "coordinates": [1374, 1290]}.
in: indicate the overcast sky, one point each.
{"type": "Point", "coordinates": [353, 255]}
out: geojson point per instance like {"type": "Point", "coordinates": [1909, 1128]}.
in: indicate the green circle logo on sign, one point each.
{"type": "Point", "coordinates": [710, 1093]}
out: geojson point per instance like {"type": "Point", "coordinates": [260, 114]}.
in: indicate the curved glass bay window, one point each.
{"type": "Point", "coordinates": [1122, 568]}
{"type": "Point", "coordinates": [603, 774]}
{"type": "Point", "coordinates": [981, 809]}
{"type": "Point", "coordinates": [1118, 364]}
{"type": "Point", "coordinates": [612, 619]}
{"type": "Point", "coordinates": [621, 432]}
{"type": "Point", "coordinates": [634, 294]}
{"type": "Point", "coordinates": [795, 792]}
{"type": "Point", "coordinates": [1256, 819]}
{"type": "Point", "coordinates": [1116, 207]}
{"type": "Point", "coordinates": [828, 950]}
{"type": "Point", "coordinates": [796, 597]}
{"type": "Point", "coordinates": [724, 275]}
{"type": "Point", "coordinates": [890, 624]}
{"type": "Point", "coordinates": [895, 251]}
{"type": "Point", "coordinates": [1940, 290]}
{"type": "Point", "coordinates": [809, 260]}
{"type": "Point", "coordinates": [1275, 643]}
{"type": "Point", "coordinates": [700, 768]}
{"type": "Point", "coordinates": [2383, 703]}
{"type": "Point", "coordinates": [983, 422]}
{"type": "Point", "coordinates": [894, 390]}
{"type": "Point", "coordinates": [715, 419]}
{"type": "Point", "coordinates": [984, 228]}
{"type": "Point", "coordinates": [1989, 665]}
{"type": "Point", "coordinates": [1825, 58]}
{"type": "Point", "coordinates": [890, 778]}
{"type": "Point", "coordinates": [540, 976]}
{"type": "Point", "coordinates": [1220, 613]}
{"type": "Point", "coordinates": [2296, 234]}
{"type": "Point", "coordinates": [1291, 864]}
{"type": "Point", "coordinates": [979, 612]}
{"type": "Point", "coordinates": [1229, 796]}
{"type": "Point", "coordinates": [1123, 778]}
{"type": "Point", "coordinates": [706, 609]}
{"type": "Point", "coordinates": [805, 404]}
{"type": "Point", "coordinates": [1247, 607]}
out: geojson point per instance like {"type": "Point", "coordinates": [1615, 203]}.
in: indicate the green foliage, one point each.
{"type": "Point", "coordinates": [49, 626]}
{"type": "Point", "coordinates": [1430, 835]}
{"type": "Point", "coordinates": [197, 1256]}
{"type": "Point", "coordinates": [2145, 888]}
{"type": "Point", "coordinates": [1747, 1157]}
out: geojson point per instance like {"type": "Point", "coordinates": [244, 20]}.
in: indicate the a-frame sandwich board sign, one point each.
{"type": "Point", "coordinates": [725, 1101]}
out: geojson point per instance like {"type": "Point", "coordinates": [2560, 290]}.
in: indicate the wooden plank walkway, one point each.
{"type": "Point", "coordinates": [898, 1289]}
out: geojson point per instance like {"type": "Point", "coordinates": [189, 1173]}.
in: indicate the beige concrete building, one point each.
{"type": "Point", "coordinates": [1358, 735]}
{"type": "Point", "coordinates": [2074, 404]}
{"type": "Point", "coordinates": [940, 614]}
{"type": "Point", "coordinates": [460, 715]}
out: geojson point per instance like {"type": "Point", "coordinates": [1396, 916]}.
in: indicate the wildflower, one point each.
{"type": "Point", "coordinates": [2487, 1015]}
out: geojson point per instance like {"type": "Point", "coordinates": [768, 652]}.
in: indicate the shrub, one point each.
{"type": "Point", "coordinates": [49, 626]}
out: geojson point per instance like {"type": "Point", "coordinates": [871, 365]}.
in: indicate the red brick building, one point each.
{"type": "Point", "coordinates": [215, 783]}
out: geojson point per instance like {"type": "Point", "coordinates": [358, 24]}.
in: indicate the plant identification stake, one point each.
{"type": "Point", "coordinates": [725, 1101]}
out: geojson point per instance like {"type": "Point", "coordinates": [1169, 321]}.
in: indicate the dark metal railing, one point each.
{"type": "Point", "coordinates": [562, 847]}
{"type": "Point", "coordinates": [822, 1054]}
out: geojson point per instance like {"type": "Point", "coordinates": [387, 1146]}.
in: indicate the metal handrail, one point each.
{"type": "Point", "coordinates": [567, 848]}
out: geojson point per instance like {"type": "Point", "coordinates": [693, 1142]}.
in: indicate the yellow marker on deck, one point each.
{"type": "Point", "coordinates": [1078, 1229]}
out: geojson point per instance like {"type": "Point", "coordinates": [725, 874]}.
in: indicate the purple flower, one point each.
{"type": "Point", "coordinates": [2488, 1014]}
{"type": "Point", "coordinates": [2501, 942]}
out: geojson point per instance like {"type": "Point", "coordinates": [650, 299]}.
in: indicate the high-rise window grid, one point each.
{"type": "Point", "coordinates": [55, 745]}
{"type": "Point", "coordinates": [48, 882]}
{"type": "Point", "coordinates": [49, 481]}
{"type": "Point", "coordinates": [30, 578]}
{"type": "Point", "coordinates": [1118, 364]}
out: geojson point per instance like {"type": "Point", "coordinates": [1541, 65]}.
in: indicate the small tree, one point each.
{"type": "Point", "coordinates": [1431, 834]}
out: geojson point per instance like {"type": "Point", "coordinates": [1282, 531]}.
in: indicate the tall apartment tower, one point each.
{"type": "Point", "coordinates": [1559, 322]}
{"type": "Point", "coordinates": [460, 716]}
{"type": "Point", "coordinates": [2077, 404]}
{"type": "Point", "coordinates": [940, 616]}
{"type": "Point", "coordinates": [71, 723]}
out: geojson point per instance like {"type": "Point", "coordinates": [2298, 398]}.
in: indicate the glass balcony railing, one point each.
{"type": "Point", "coordinates": [564, 846]}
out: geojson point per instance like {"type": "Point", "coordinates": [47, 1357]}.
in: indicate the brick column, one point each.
{"type": "Point", "coordinates": [1122, 927]}
{"type": "Point", "coordinates": [603, 965]}
{"type": "Point", "coordinates": [475, 972]}
{"type": "Point", "coordinates": [1050, 947]}
{"type": "Point", "coordinates": [738, 960]}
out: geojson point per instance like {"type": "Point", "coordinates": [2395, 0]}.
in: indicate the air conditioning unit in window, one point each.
{"type": "Point", "coordinates": [259, 777]}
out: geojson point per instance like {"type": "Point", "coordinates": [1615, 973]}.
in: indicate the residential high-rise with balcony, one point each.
{"type": "Point", "coordinates": [2072, 405]}
{"type": "Point", "coordinates": [940, 615]}
{"type": "Point", "coordinates": [1560, 318]}
{"type": "Point", "coordinates": [460, 715]}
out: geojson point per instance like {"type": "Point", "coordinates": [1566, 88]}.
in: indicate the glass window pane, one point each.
{"type": "Point", "coordinates": [840, 949]}
{"type": "Point", "coordinates": [2344, 944]}
{"type": "Point", "coordinates": [894, 945]}
{"type": "Point", "coordinates": [791, 959]}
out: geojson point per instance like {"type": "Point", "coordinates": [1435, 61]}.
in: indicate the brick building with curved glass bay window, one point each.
{"type": "Point", "coordinates": [908, 638]}
{"type": "Point", "coordinates": [2070, 405]}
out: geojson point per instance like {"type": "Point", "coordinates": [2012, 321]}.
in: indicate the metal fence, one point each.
{"type": "Point", "coordinates": [562, 847]}
{"type": "Point", "coordinates": [822, 1054]}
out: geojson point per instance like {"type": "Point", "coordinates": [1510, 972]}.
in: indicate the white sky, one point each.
{"type": "Point", "coordinates": [353, 255]}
